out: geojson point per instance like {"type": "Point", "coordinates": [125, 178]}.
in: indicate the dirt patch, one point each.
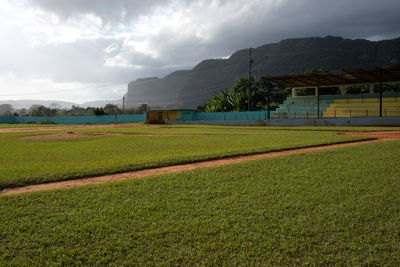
{"type": "Point", "coordinates": [380, 136]}
{"type": "Point", "coordinates": [63, 136]}
{"type": "Point", "coordinates": [388, 135]}
{"type": "Point", "coordinates": [80, 135]}
{"type": "Point", "coordinates": [66, 127]}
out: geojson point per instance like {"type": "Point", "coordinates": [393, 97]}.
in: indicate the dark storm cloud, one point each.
{"type": "Point", "coordinates": [262, 22]}
{"type": "Point", "coordinates": [181, 33]}
{"type": "Point", "coordinates": [265, 21]}
{"type": "Point", "coordinates": [356, 18]}
{"type": "Point", "coordinates": [108, 11]}
{"type": "Point", "coordinates": [368, 19]}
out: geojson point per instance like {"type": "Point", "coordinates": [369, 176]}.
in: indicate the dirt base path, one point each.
{"type": "Point", "coordinates": [381, 136]}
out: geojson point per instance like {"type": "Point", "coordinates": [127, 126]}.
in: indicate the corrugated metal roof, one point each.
{"type": "Point", "coordinates": [347, 76]}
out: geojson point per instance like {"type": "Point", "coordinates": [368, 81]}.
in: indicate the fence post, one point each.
{"type": "Point", "coordinates": [350, 113]}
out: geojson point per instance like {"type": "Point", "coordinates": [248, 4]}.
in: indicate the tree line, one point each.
{"type": "Point", "coordinates": [7, 110]}
{"type": "Point", "coordinates": [240, 98]}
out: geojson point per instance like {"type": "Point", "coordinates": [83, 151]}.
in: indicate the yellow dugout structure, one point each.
{"type": "Point", "coordinates": [162, 116]}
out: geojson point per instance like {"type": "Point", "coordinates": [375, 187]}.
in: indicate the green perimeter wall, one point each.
{"type": "Point", "coordinates": [224, 116]}
{"type": "Point", "coordinates": [185, 115]}
{"type": "Point", "coordinates": [105, 119]}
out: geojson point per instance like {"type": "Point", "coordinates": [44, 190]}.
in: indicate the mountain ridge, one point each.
{"type": "Point", "coordinates": [191, 88]}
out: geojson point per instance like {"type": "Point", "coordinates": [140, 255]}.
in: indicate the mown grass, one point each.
{"type": "Point", "coordinates": [25, 162]}
{"type": "Point", "coordinates": [335, 207]}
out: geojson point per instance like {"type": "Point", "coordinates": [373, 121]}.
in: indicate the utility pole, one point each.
{"type": "Point", "coordinates": [268, 101]}
{"type": "Point", "coordinates": [249, 89]}
{"type": "Point", "coordinates": [318, 94]}
{"type": "Point", "coordinates": [380, 93]}
{"type": "Point", "coordinates": [116, 112]}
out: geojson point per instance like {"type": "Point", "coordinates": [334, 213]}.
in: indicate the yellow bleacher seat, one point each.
{"type": "Point", "coordinates": [363, 107]}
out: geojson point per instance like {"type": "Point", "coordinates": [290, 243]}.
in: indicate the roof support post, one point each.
{"type": "Point", "coordinates": [380, 93]}
{"type": "Point", "coordinates": [249, 90]}
{"type": "Point", "coordinates": [294, 92]}
{"type": "Point", "coordinates": [371, 88]}
{"type": "Point", "coordinates": [342, 89]}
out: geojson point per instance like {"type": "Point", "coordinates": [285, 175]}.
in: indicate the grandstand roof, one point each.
{"type": "Point", "coordinates": [347, 76]}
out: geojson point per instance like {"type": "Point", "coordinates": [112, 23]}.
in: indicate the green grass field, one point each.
{"type": "Point", "coordinates": [334, 207]}
{"type": "Point", "coordinates": [24, 162]}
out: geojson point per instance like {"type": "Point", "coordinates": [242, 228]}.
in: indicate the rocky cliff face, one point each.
{"type": "Point", "coordinates": [191, 88]}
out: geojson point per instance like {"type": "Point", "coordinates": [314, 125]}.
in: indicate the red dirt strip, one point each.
{"type": "Point", "coordinates": [69, 127]}
{"type": "Point", "coordinates": [381, 136]}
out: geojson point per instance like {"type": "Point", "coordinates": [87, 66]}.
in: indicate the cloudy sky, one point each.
{"type": "Point", "coordinates": [83, 50]}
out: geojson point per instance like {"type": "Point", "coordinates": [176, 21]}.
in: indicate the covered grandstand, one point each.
{"type": "Point", "coordinates": [380, 104]}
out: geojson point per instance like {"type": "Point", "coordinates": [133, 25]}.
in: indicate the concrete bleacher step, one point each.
{"type": "Point", "coordinates": [297, 107]}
